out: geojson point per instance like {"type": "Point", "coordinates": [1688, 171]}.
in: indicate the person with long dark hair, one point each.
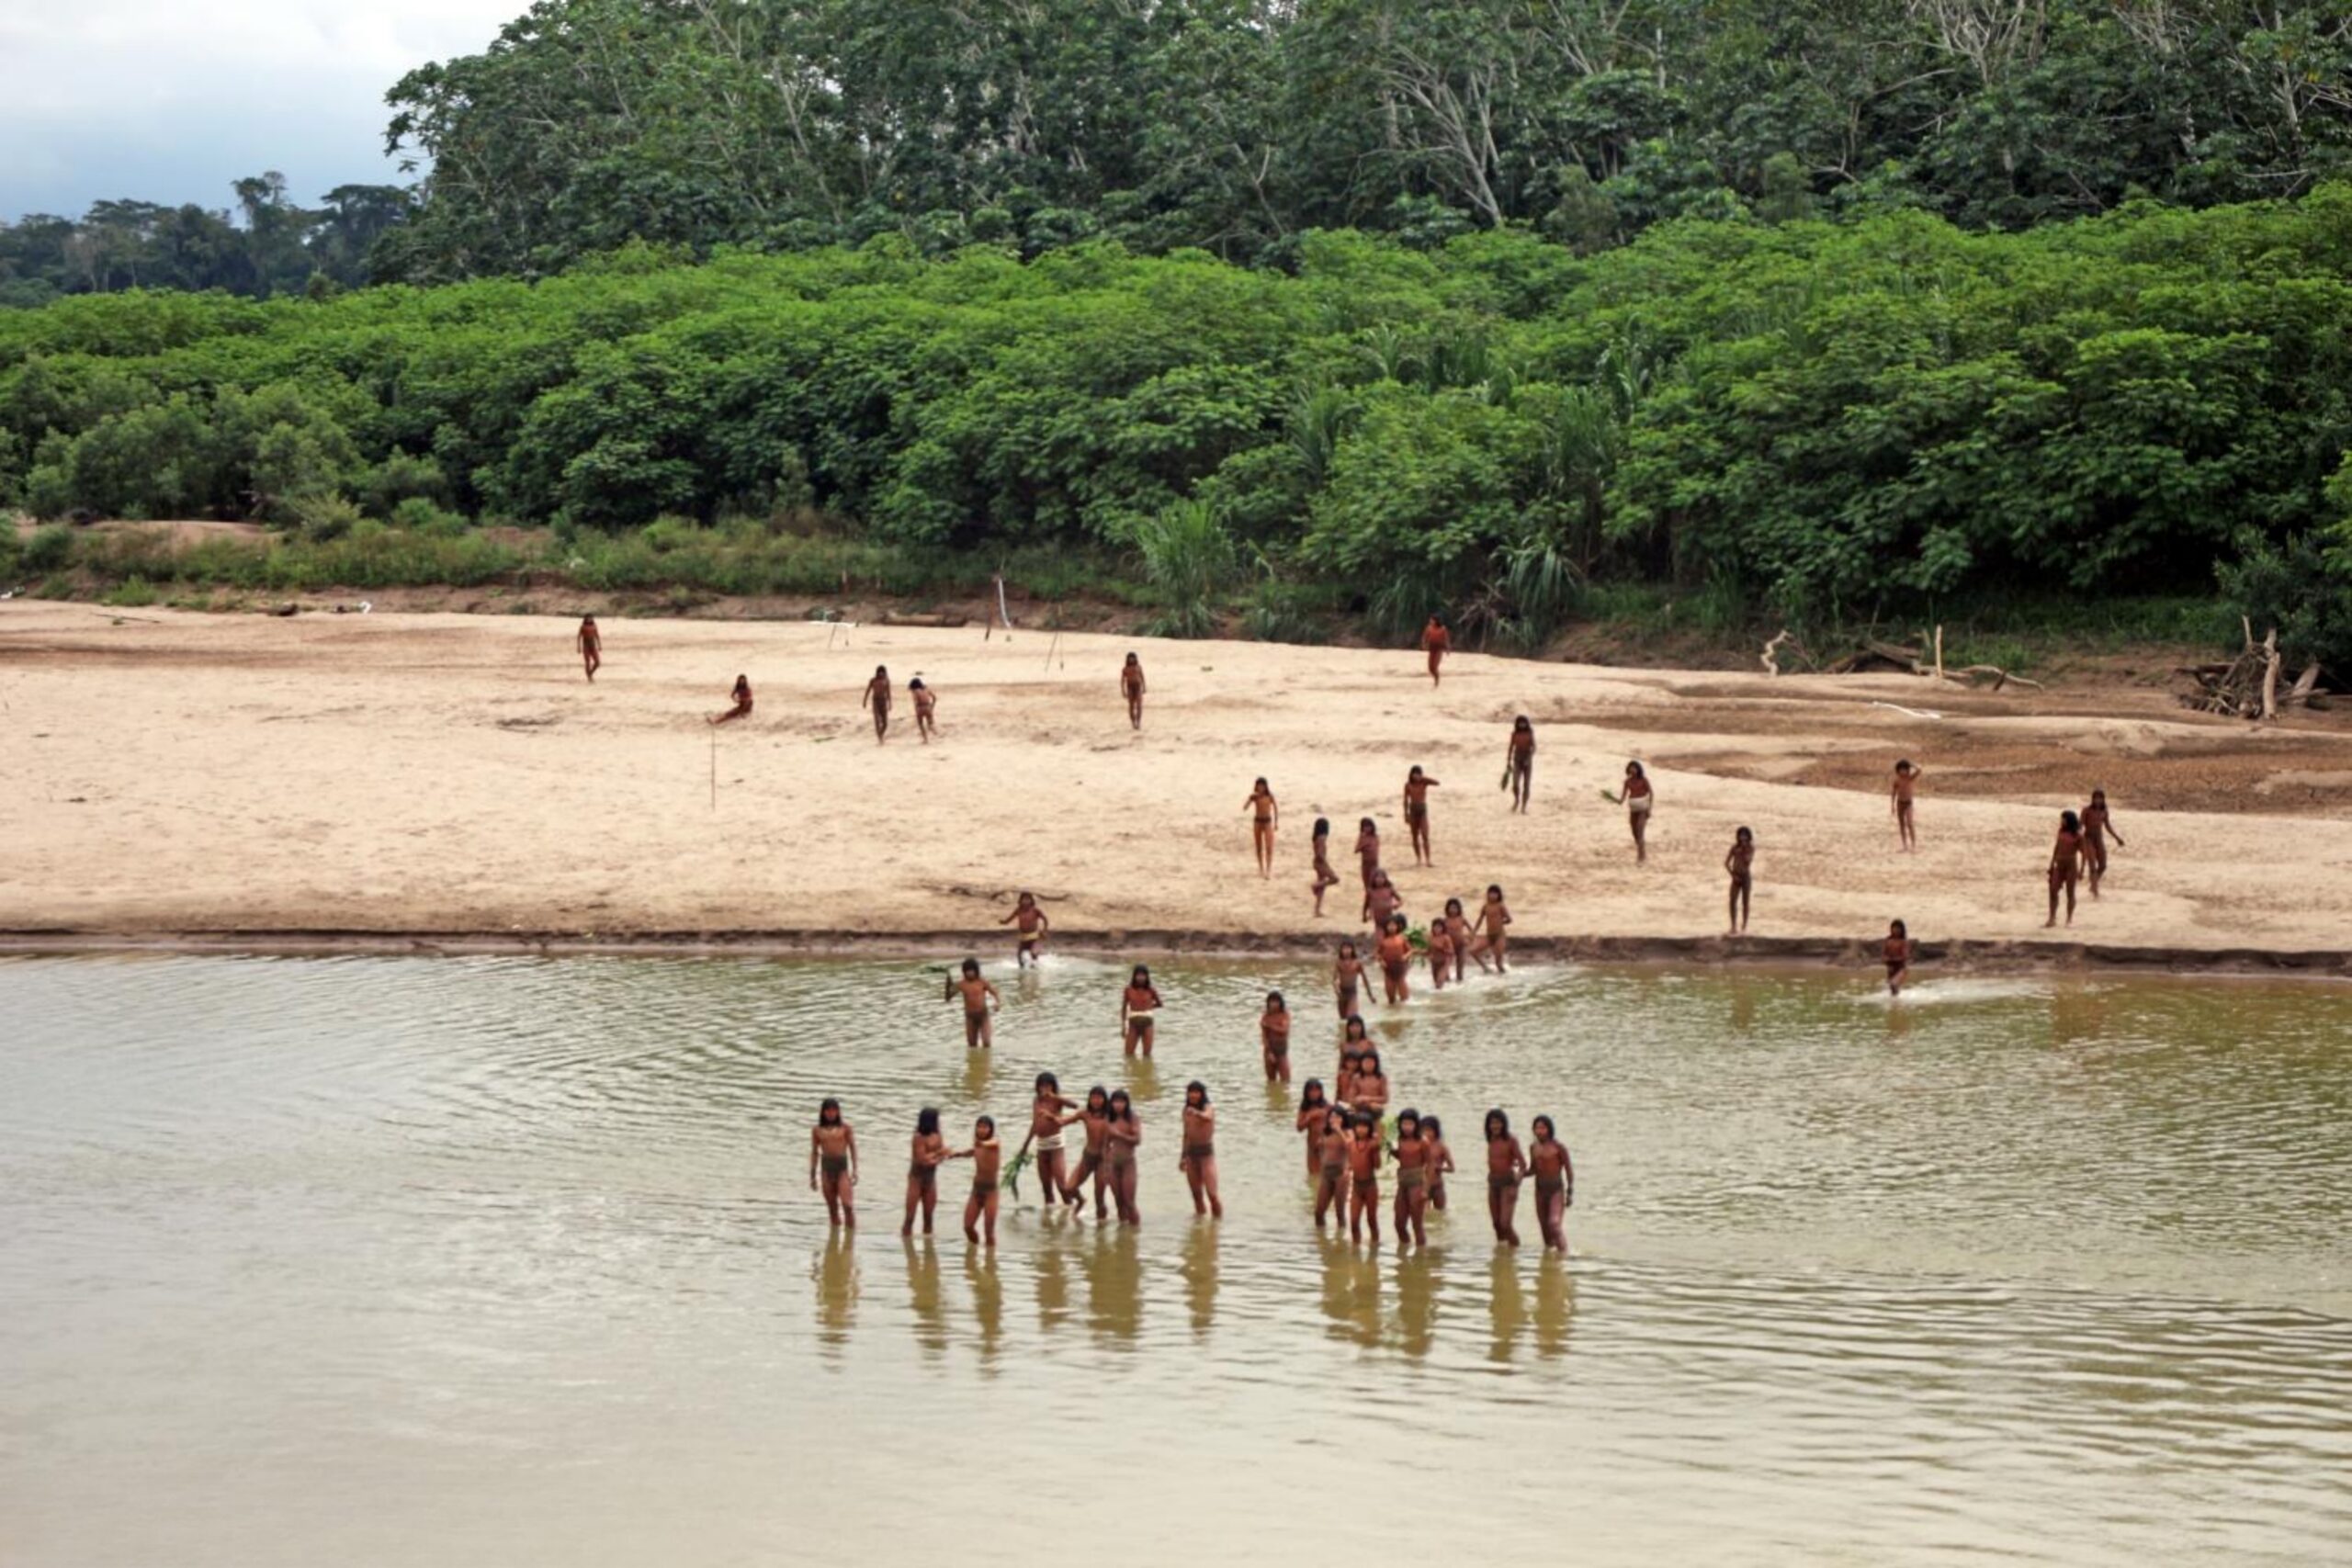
{"type": "Point", "coordinates": [1122, 1141]}
{"type": "Point", "coordinates": [923, 1171]}
{"type": "Point", "coordinates": [832, 1158]}
{"type": "Point", "coordinates": [1313, 1110]}
{"type": "Point", "coordinates": [1895, 953]}
{"type": "Point", "coordinates": [1265, 815]}
{"type": "Point", "coordinates": [1355, 1045]}
{"type": "Point", "coordinates": [1555, 1183]}
{"type": "Point", "coordinates": [1049, 1113]}
{"type": "Point", "coordinates": [1518, 764]}
{"type": "Point", "coordinates": [1364, 1175]}
{"type": "Point", "coordinates": [2066, 865]}
{"type": "Point", "coordinates": [988, 1158]}
{"type": "Point", "coordinates": [1095, 1115]}
{"type": "Point", "coordinates": [1332, 1147]}
{"type": "Point", "coordinates": [1740, 863]}
{"type": "Point", "coordinates": [1325, 878]}
{"type": "Point", "coordinates": [2098, 823]}
{"type": "Point", "coordinates": [1505, 1163]}
{"type": "Point", "coordinates": [1136, 1004]}
{"type": "Point", "coordinates": [1274, 1038]}
{"type": "Point", "coordinates": [1418, 785]}
{"type": "Point", "coordinates": [1347, 979]}
{"type": "Point", "coordinates": [1440, 1160]}
{"type": "Point", "coordinates": [1412, 1159]}
{"type": "Point", "coordinates": [1198, 1161]}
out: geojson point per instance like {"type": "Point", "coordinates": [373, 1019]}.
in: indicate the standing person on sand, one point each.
{"type": "Point", "coordinates": [1325, 878]}
{"type": "Point", "coordinates": [1741, 863]}
{"type": "Point", "coordinates": [1274, 1038]}
{"type": "Point", "coordinates": [1895, 953]}
{"type": "Point", "coordinates": [833, 1154]}
{"type": "Point", "coordinates": [1131, 688]}
{"type": "Point", "coordinates": [1637, 800]}
{"type": "Point", "coordinates": [1030, 927]}
{"type": "Point", "coordinates": [1417, 813]}
{"type": "Point", "coordinates": [1494, 921]}
{"type": "Point", "coordinates": [1136, 1005]}
{"type": "Point", "coordinates": [1435, 641]}
{"type": "Point", "coordinates": [979, 996]}
{"type": "Point", "coordinates": [1505, 1163]}
{"type": "Point", "coordinates": [1198, 1161]}
{"type": "Point", "coordinates": [1380, 901]}
{"type": "Point", "coordinates": [1367, 850]}
{"type": "Point", "coordinates": [591, 646]}
{"type": "Point", "coordinates": [1519, 762]}
{"type": "Point", "coordinates": [2066, 866]}
{"type": "Point", "coordinates": [2097, 825]}
{"type": "Point", "coordinates": [923, 1171]}
{"type": "Point", "coordinates": [926, 703]}
{"type": "Point", "coordinates": [1899, 801]}
{"type": "Point", "coordinates": [1265, 816]}
{"type": "Point", "coordinates": [742, 698]}
{"type": "Point", "coordinates": [877, 698]}
{"type": "Point", "coordinates": [1555, 1184]}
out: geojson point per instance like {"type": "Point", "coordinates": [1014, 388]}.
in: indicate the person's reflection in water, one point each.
{"type": "Point", "coordinates": [1743, 1007]}
{"type": "Point", "coordinates": [922, 1293]}
{"type": "Point", "coordinates": [835, 1272]}
{"type": "Point", "coordinates": [1555, 1306]}
{"type": "Point", "coordinates": [1417, 1291]}
{"type": "Point", "coordinates": [1143, 1081]}
{"type": "Point", "coordinates": [975, 1074]}
{"type": "Point", "coordinates": [1899, 1020]}
{"type": "Point", "coordinates": [1053, 1279]}
{"type": "Point", "coordinates": [987, 1303]}
{"type": "Point", "coordinates": [2077, 1015]}
{"type": "Point", "coordinates": [1114, 1285]}
{"type": "Point", "coordinates": [1508, 1304]}
{"type": "Point", "coordinates": [1351, 1291]}
{"type": "Point", "coordinates": [1199, 1275]}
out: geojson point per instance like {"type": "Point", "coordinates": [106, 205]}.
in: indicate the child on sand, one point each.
{"type": "Point", "coordinates": [741, 696]}
{"type": "Point", "coordinates": [1095, 1117]}
{"type": "Point", "coordinates": [1381, 901]}
{"type": "Point", "coordinates": [1364, 1178]}
{"type": "Point", "coordinates": [833, 1156]}
{"type": "Point", "coordinates": [1741, 863]}
{"type": "Point", "coordinates": [1519, 762]}
{"type": "Point", "coordinates": [1895, 953]}
{"type": "Point", "coordinates": [1265, 815]}
{"type": "Point", "coordinates": [1555, 1184]}
{"type": "Point", "coordinates": [2066, 865]}
{"type": "Point", "coordinates": [1131, 687]}
{"type": "Point", "coordinates": [1136, 1004]}
{"type": "Point", "coordinates": [1199, 1159]}
{"type": "Point", "coordinates": [1435, 641]}
{"type": "Point", "coordinates": [1314, 1111]}
{"type": "Point", "coordinates": [1347, 979]}
{"type": "Point", "coordinates": [1122, 1138]}
{"type": "Point", "coordinates": [1368, 851]}
{"type": "Point", "coordinates": [1457, 930]}
{"type": "Point", "coordinates": [926, 707]}
{"type": "Point", "coordinates": [1395, 950]}
{"type": "Point", "coordinates": [1274, 1038]}
{"type": "Point", "coordinates": [923, 1171]}
{"type": "Point", "coordinates": [1637, 801]}
{"type": "Point", "coordinates": [1442, 955]}
{"type": "Point", "coordinates": [1906, 779]}
{"type": "Point", "coordinates": [591, 646]}
{"type": "Point", "coordinates": [1331, 1160]}
{"type": "Point", "coordinates": [987, 1156]}
{"type": "Point", "coordinates": [2097, 825]}
{"type": "Point", "coordinates": [1440, 1160]}
{"type": "Point", "coordinates": [1325, 878]}
{"type": "Point", "coordinates": [1505, 1165]}
{"type": "Point", "coordinates": [979, 995]}
{"type": "Point", "coordinates": [877, 698]}
{"type": "Point", "coordinates": [1418, 785]}
{"type": "Point", "coordinates": [1412, 1158]}
{"type": "Point", "coordinates": [1049, 1113]}
{"type": "Point", "coordinates": [1030, 927]}
{"type": "Point", "coordinates": [1494, 920]}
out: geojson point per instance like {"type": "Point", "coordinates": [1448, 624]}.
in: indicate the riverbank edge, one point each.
{"type": "Point", "coordinates": [1964, 956]}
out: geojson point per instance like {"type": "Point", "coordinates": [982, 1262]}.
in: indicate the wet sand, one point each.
{"type": "Point", "coordinates": [247, 780]}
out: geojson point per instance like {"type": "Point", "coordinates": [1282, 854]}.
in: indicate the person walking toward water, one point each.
{"type": "Point", "coordinates": [1347, 979]}
{"type": "Point", "coordinates": [1435, 642]}
{"type": "Point", "coordinates": [2066, 865]}
{"type": "Point", "coordinates": [1555, 1184]}
{"type": "Point", "coordinates": [1131, 688]}
{"type": "Point", "coordinates": [1412, 1156]}
{"type": "Point", "coordinates": [1440, 1160]}
{"type": "Point", "coordinates": [1441, 954]}
{"type": "Point", "coordinates": [987, 1157]}
{"type": "Point", "coordinates": [1274, 1038]}
{"type": "Point", "coordinates": [1493, 920]}
{"type": "Point", "coordinates": [1266, 815]}
{"type": "Point", "coordinates": [741, 696]}
{"type": "Point", "coordinates": [832, 1161]}
{"type": "Point", "coordinates": [1030, 926]}
{"type": "Point", "coordinates": [1418, 785]}
{"type": "Point", "coordinates": [1518, 764]}
{"type": "Point", "coordinates": [878, 699]}
{"type": "Point", "coordinates": [1637, 801]}
{"type": "Point", "coordinates": [2097, 825]}
{"type": "Point", "coordinates": [1325, 878]}
{"type": "Point", "coordinates": [1368, 851]}
{"type": "Point", "coordinates": [1199, 1160]}
{"type": "Point", "coordinates": [923, 1171]}
{"type": "Point", "coordinates": [980, 997]}
{"type": "Point", "coordinates": [1381, 900]}
{"type": "Point", "coordinates": [1505, 1163]}
{"type": "Point", "coordinates": [1741, 863]}
{"type": "Point", "coordinates": [1121, 1141]}
{"type": "Point", "coordinates": [926, 703]}
{"type": "Point", "coordinates": [1895, 953]}
{"type": "Point", "coordinates": [1899, 800]}
{"type": "Point", "coordinates": [591, 646]}
{"type": "Point", "coordinates": [1136, 1005]}
{"type": "Point", "coordinates": [1395, 950]}
{"type": "Point", "coordinates": [1314, 1111]}
{"type": "Point", "coordinates": [1457, 930]}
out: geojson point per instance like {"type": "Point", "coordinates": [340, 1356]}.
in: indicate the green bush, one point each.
{"type": "Point", "coordinates": [322, 515]}
{"type": "Point", "coordinates": [1190, 559]}
{"type": "Point", "coordinates": [49, 548]}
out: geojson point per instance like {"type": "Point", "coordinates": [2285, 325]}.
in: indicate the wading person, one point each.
{"type": "Point", "coordinates": [1441, 954]}
{"type": "Point", "coordinates": [1395, 951]}
{"type": "Point", "coordinates": [1364, 1178]}
{"type": "Point", "coordinates": [1412, 1159]}
{"type": "Point", "coordinates": [987, 1157]}
{"type": "Point", "coordinates": [1314, 1113]}
{"type": "Point", "coordinates": [1325, 878]}
{"type": "Point", "coordinates": [1274, 1038]}
{"type": "Point", "coordinates": [1457, 929]}
{"type": "Point", "coordinates": [1368, 1090]}
{"type": "Point", "coordinates": [1555, 1184]}
{"type": "Point", "coordinates": [2066, 865]}
{"type": "Point", "coordinates": [1895, 953]}
{"type": "Point", "coordinates": [1094, 1117]}
{"type": "Point", "coordinates": [1137, 1003]}
{"type": "Point", "coordinates": [1199, 1159]}
{"type": "Point", "coordinates": [1740, 863]}
{"type": "Point", "coordinates": [1030, 926]}
{"type": "Point", "coordinates": [1505, 1165]}
{"type": "Point", "coordinates": [923, 1171]}
{"type": "Point", "coordinates": [1121, 1141]}
{"type": "Point", "coordinates": [1440, 1160]}
{"type": "Point", "coordinates": [1131, 688]}
{"type": "Point", "coordinates": [877, 700]}
{"type": "Point", "coordinates": [1493, 923]}
{"type": "Point", "coordinates": [833, 1162]}
{"type": "Point", "coordinates": [1332, 1162]}
{"type": "Point", "coordinates": [1418, 785]}
{"type": "Point", "coordinates": [1264, 816]}
{"type": "Point", "coordinates": [1381, 900]}
{"type": "Point", "coordinates": [741, 697]}
{"type": "Point", "coordinates": [1518, 764]}
{"type": "Point", "coordinates": [1355, 1044]}
{"type": "Point", "coordinates": [2097, 825]}
{"type": "Point", "coordinates": [1901, 802]}
{"type": "Point", "coordinates": [1347, 980]}
{"type": "Point", "coordinates": [1049, 1114]}
{"type": "Point", "coordinates": [978, 997]}
{"type": "Point", "coordinates": [1435, 642]}
{"type": "Point", "coordinates": [591, 646]}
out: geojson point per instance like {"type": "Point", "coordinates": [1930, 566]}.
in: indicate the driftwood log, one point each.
{"type": "Point", "coordinates": [2247, 686]}
{"type": "Point", "coordinates": [1925, 660]}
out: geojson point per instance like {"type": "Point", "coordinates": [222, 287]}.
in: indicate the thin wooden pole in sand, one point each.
{"type": "Point", "coordinates": [1051, 649]}
{"type": "Point", "coordinates": [714, 767]}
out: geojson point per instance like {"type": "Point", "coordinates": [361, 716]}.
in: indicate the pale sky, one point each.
{"type": "Point", "coordinates": [170, 100]}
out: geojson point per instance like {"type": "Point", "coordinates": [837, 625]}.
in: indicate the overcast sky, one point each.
{"type": "Point", "coordinates": [170, 100]}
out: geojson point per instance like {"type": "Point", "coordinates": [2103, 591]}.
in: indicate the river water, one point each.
{"type": "Point", "coordinates": [440, 1261]}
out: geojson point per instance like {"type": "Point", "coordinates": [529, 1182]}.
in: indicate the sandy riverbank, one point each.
{"type": "Point", "coordinates": [443, 775]}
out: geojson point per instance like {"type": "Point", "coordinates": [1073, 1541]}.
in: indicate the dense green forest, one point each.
{"type": "Point", "coordinates": [1810, 418]}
